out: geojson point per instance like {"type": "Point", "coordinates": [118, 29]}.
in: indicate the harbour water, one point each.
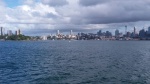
{"type": "Point", "coordinates": [75, 62]}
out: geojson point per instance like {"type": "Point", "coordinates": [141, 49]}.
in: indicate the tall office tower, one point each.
{"type": "Point", "coordinates": [58, 32]}
{"type": "Point", "coordinates": [71, 32]}
{"type": "Point", "coordinates": [19, 32]}
{"type": "Point", "coordinates": [1, 31]}
{"type": "Point", "coordinates": [126, 30]}
{"type": "Point", "coordinates": [134, 31]}
{"type": "Point", "coordinates": [16, 33]}
{"type": "Point", "coordinates": [117, 33]}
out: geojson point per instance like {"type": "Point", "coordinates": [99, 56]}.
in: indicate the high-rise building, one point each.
{"type": "Point", "coordinates": [71, 32]}
{"type": "Point", "coordinates": [142, 33]}
{"type": "Point", "coordinates": [16, 33]}
{"type": "Point", "coordinates": [19, 32]}
{"type": "Point", "coordinates": [126, 30]}
{"type": "Point", "coordinates": [117, 33]}
{"type": "Point", "coordinates": [128, 34]}
{"type": "Point", "coordinates": [134, 31]}
{"type": "Point", "coordinates": [1, 31]}
{"type": "Point", "coordinates": [99, 33]}
{"type": "Point", "coordinates": [108, 34]}
{"type": "Point", "coordinates": [58, 32]}
{"type": "Point", "coordinates": [148, 32]}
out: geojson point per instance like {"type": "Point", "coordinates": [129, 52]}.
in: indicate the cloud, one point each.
{"type": "Point", "coordinates": [77, 15]}
{"type": "Point", "coordinates": [112, 11]}
{"type": "Point", "coordinates": [30, 14]}
{"type": "Point", "coordinates": [55, 2]}
{"type": "Point", "coordinates": [92, 2]}
{"type": "Point", "coordinates": [111, 2]}
{"type": "Point", "coordinates": [2, 3]}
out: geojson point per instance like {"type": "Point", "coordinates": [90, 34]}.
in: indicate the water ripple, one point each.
{"type": "Point", "coordinates": [77, 62]}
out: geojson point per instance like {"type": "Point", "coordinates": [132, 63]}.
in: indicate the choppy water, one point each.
{"type": "Point", "coordinates": [75, 62]}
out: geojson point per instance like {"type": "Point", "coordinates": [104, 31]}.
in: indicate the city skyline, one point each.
{"type": "Point", "coordinates": [99, 35]}
{"type": "Point", "coordinates": [44, 16]}
{"type": "Point", "coordinates": [67, 32]}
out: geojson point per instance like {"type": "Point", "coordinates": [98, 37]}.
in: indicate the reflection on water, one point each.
{"type": "Point", "coordinates": [75, 62]}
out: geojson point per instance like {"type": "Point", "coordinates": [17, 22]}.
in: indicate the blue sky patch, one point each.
{"type": "Point", "coordinates": [12, 3]}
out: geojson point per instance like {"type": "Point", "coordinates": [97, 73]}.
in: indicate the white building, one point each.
{"type": "Point", "coordinates": [44, 37]}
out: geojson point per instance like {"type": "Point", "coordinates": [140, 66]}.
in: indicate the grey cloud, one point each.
{"type": "Point", "coordinates": [97, 2]}
{"type": "Point", "coordinates": [92, 2]}
{"type": "Point", "coordinates": [74, 15]}
{"type": "Point", "coordinates": [65, 29]}
{"type": "Point", "coordinates": [48, 15]}
{"type": "Point", "coordinates": [51, 15]}
{"type": "Point", "coordinates": [112, 11]}
{"type": "Point", "coordinates": [37, 14]}
{"type": "Point", "coordinates": [55, 2]}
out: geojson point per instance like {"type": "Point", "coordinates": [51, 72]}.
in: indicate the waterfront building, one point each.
{"type": "Point", "coordinates": [44, 37]}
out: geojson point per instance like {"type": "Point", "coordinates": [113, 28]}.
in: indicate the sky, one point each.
{"type": "Point", "coordinates": [43, 17]}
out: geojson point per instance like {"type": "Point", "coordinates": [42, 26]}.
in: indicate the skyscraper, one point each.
{"type": "Point", "coordinates": [99, 33]}
{"type": "Point", "coordinates": [1, 31]}
{"type": "Point", "coordinates": [58, 32]}
{"type": "Point", "coordinates": [126, 30]}
{"type": "Point", "coordinates": [148, 32]}
{"type": "Point", "coordinates": [142, 33]}
{"type": "Point", "coordinates": [134, 32]}
{"type": "Point", "coordinates": [16, 32]}
{"type": "Point", "coordinates": [19, 32]}
{"type": "Point", "coordinates": [117, 33]}
{"type": "Point", "coordinates": [70, 32]}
